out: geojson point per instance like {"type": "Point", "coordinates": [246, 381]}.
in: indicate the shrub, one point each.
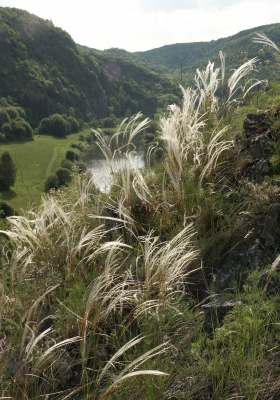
{"type": "Point", "coordinates": [71, 155]}
{"type": "Point", "coordinates": [63, 176]}
{"type": "Point", "coordinates": [55, 125]}
{"type": "Point", "coordinates": [67, 164]}
{"type": "Point", "coordinates": [22, 129]}
{"type": "Point", "coordinates": [73, 124]}
{"type": "Point", "coordinates": [81, 166]}
{"type": "Point", "coordinates": [78, 146]}
{"type": "Point", "coordinates": [7, 171]}
{"type": "Point", "coordinates": [6, 210]}
{"type": "Point", "coordinates": [15, 112]}
{"type": "Point", "coordinates": [4, 116]}
{"type": "Point", "coordinates": [17, 130]}
{"type": "Point", "coordinates": [51, 183]}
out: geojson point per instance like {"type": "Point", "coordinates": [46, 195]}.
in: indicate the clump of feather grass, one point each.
{"type": "Point", "coordinates": [193, 136]}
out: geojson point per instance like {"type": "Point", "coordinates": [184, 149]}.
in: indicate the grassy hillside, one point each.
{"type": "Point", "coordinates": [35, 161]}
{"type": "Point", "coordinates": [44, 71]}
{"type": "Point", "coordinates": [165, 287]}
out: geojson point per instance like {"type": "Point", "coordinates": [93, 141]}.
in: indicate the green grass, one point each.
{"type": "Point", "coordinates": [35, 161]}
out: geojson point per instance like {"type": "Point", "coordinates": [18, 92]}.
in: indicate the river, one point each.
{"type": "Point", "coordinates": [102, 169]}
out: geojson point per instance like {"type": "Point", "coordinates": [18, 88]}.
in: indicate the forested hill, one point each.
{"type": "Point", "coordinates": [186, 57]}
{"type": "Point", "coordinates": [44, 71]}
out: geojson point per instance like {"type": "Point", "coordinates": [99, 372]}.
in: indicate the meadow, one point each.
{"type": "Point", "coordinates": [35, 161]}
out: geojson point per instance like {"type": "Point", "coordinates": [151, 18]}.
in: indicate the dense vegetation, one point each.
{"type": "Point", "coordinates": [58, 125]}
{"type": "Point", "coordinates": [182, 59]}
{"type": "Point", "coordinates": [167, 285]}
{"type": "Point", "coordinates": [13, 124]}
{"type": "Point", "coordinates": [45, 72]}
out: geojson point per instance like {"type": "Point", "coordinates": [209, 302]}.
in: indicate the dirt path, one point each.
{"type": "Point", "coordinates": [51, 163]}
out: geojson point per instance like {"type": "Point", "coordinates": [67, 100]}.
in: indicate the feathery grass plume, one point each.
{"type": "Point", "coordinates": [127, 179]}
{"type": "Point", "coordinates": [131, 370]}
{"type": "Point", "coordinates": [181, 134]}
{"type": "Point", "coordinates": [55, 240]}
{"type": "Point", "coordinates": [215, 147]}
{"type": "Point", "coordinates": [166, 266]}
{"type": "Point", "coordinates": [31, 316]}
{"type": "Point", "coordinates": [109, 293]}
{"type": "Point", "coordinates": [189, 133]}
{"type": "Point", "coordinates": [262, 38]}
{"type": "Point", "coordinates": [207, 82]}
{"type": "Point", "coordinates": [50, 355]}
{"type": "Point", "coordinates": [117, 371]}
{"type": "Point", "coordinates": [190, 143]}
{"type": "Point", "coordinates": [233, 90]}
{"type": "Point", "coordinates": [236, 85]}
{"type": "Point", "coordinates": [86, 190]}
{"type": "Point", "coordinates": [116, 146]}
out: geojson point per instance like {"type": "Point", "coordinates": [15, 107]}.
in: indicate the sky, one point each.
{"type": "Point", "coordinates": [137, 25]}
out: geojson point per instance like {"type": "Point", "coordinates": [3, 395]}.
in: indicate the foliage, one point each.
{"type": "Point", "coordinates": [182, 59]}
{"type": "Point", "coordinates": [6, 210]}
{"type": "Point", "coordinates": [158, 286]}
{"type": "Point", "coordinates": [13, 124]}
{"type": "Point", "coordinates": [71, 155]}
{"type": "Point", "coordinates": [7, 172]}
{"type": "Point", "coordinates": [55, 125]}
{"type": "Point", "coordinates": [63, 176]}
{"type": "Point", "coordinates": [45, 72]}
{"type": "Point", "coordinates": [51, 182]}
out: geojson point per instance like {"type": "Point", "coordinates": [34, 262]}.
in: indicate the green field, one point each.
{"type": "Point", "coordinates": [35, 161]}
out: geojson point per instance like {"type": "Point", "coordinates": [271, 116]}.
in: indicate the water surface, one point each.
{"type": "Point", "coordinates": [102, 170]}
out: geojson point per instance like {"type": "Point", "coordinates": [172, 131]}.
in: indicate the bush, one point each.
{"type": "Point", "coordinates": [73, 124]}
{"type": "Point", "coordinates": [63, 176]}
{"type": "Point", "coordinates": [7, 172]}
{"type": "Point", "coordinates": [6, 210]}
{"type": "Point", "coordinates": [71, 155]}
{"type": "Point", "coordinates": [4, 117]}
{"type": "Point", "coordinates": [81, 166]}
{"type": "Point", "coordinates": [51, 183]}
{"type": "Point", "coordinates": [55, 125]}
{"type": "Point", "coordinates": [67, 164]}
{"type": "Point", "coordinates": [15, 112]}
{"type": "Point", "coordinates": [17, 130]}
{"type": "Point", "coordinates": [78, 146]}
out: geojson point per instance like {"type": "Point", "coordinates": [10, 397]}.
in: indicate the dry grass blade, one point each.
{"type": "Point", "coordinates": [49, 353]}
{"type": "Point", "coordinates": [34, 342]}
{"type": "Point", "coordinates": [30, 314]}
{"type": "Point", "coordinates": [235, 80]}
{"type": "Point", "coordinates": [166, 267]}
{"type": "Point", "coordinates": [216, 147]}
{"type": "Point", "coordinates": [131, 370]}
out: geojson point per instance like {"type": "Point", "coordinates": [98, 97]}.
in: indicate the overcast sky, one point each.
{"type": "Point", "coordinates": [144, 24]}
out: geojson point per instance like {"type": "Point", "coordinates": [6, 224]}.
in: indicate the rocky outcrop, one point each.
{"type": "Point", "coordinates": [257, 145]}
{"type": "Point", "coordinates": [256, 239]}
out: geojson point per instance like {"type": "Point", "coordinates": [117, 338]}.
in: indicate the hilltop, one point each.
{"type": "Point", "coordinates": [189, 56]}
